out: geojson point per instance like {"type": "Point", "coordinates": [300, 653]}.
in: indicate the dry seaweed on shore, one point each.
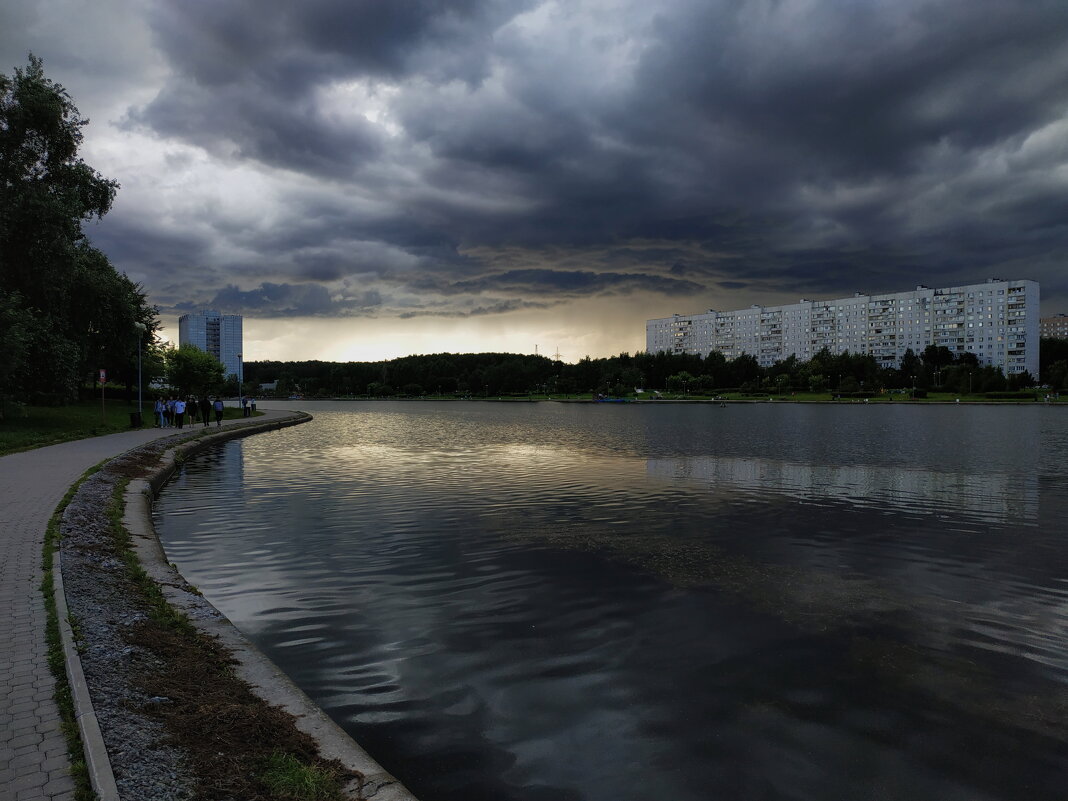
{"type": "Point", "coordinates": [229, 734]}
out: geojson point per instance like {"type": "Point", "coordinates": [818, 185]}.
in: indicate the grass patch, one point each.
{"type": "Point", "coordinates": [36, 426]}
{"type": "Point", "coordinates": [287, 777]}
{"type": "Point", "coordinates": [23, 428]}
{"type": "Point", "coordinates": [159, 611]}
{"type": "Point", "coordinates": [83, 789]}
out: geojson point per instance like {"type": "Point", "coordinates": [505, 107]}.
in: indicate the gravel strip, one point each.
{"type": "Point", "coordinates": [103, 607]}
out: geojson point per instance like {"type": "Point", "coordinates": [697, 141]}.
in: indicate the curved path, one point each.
{"type": "Point", "coordinates": [33, 754]}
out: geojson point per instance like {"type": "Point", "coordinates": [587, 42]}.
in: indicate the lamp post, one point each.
{"type": "Point", "coordinates": [141, 328]}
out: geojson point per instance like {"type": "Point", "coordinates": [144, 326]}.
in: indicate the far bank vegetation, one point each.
{"type": "Point", "coordinates": [498, 374]}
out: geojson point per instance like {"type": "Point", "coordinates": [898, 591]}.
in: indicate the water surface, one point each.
{"type": "Point", "coordinates": [535, 601]}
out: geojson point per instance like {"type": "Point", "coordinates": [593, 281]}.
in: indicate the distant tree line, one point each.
{"type": "Point", "coordinates": [485, 374]}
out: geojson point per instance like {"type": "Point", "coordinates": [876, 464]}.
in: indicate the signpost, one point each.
{"type": "Point", "coordinates": [103, 378]}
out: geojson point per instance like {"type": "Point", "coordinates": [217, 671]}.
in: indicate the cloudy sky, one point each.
{"type": "Point", "coordinates": [364, 179]}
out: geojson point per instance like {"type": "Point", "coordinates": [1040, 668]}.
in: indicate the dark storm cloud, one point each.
{"type": "Point", "coordinates": [497, 307]}
{"type": "Point", "coordinates": [247, 72]}
{"type": "Point", "coordinates": [292, 46]}
{"type": "Point", "coordinates": [262, 127]}
{"type": "Point", "coordinates": [574, 283]}
{"type": "Point", "coordinates": [293, 300]}
{"type": "Point", "coordinates": [689, 148]}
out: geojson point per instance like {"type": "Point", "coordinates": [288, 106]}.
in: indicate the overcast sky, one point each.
{"type": "Point", "coordinates": [365, 179]}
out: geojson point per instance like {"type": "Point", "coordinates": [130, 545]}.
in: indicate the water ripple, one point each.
{"type": "Point", "coordinates": [779, 601]}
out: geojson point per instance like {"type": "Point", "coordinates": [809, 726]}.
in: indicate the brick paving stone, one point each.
{"type": "Point", "coordinates": [55, 764]}
{"type": "Point", "coordinates": [37, 779]}
{"type": "Point", "coordinates": [32, 484]}
{"type": "Point", "coordinates": [55, 786]}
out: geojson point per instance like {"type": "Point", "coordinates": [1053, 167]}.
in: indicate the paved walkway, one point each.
{"type": "Point", "coordinates": [33, 754]}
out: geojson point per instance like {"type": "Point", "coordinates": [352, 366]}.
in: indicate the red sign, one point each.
{"type": "Point", "coordinates": [103, 376]}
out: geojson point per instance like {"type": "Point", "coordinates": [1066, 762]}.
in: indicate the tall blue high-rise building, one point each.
{"type": "Point", "coordinates": [217, 334]}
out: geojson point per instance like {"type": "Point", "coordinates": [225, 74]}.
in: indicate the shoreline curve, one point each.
{"type": "Point", "coordinates": [264, 677]}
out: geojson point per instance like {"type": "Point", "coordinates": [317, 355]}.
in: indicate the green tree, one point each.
{"type": "Point", "coordinates": [1058, 375]}
{"type": "Point", "coordinates": [680, 382]}
{"type": "Point", "coordinates": [1021, 380]}
{"type": "Point", "coordinates": [67, 310]}
{"type": "Point", "coordinates": [817, 383]}
{"type": "Point", "coordinates": [192, 371]}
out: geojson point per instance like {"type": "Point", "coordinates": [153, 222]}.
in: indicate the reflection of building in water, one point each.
{"type": "Point", "coordinates": [992, 497]}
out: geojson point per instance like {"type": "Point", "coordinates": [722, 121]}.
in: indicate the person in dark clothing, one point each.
{"type": "Point", "coordinates": [218, 406]}
{"type": "Point", "coordinates": [205, 409]}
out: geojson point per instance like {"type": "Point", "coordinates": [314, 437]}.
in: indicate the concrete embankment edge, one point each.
{"type": "Point", "coordinates": [266, 680]}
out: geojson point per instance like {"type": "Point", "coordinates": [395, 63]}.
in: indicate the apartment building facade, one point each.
{"type": "Point", "coordinates": [997, 320]}
{"type": "Point", "coordinates": [218, 334]}
{"type": "Point", "coordinates": [1055, 327]}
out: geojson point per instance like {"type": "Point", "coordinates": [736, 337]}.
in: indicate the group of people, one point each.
{"type": "Point", "coordinates": [171, 412]}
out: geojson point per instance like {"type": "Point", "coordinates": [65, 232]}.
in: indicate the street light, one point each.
{"type": "Point", "coordinates": [141, 329]}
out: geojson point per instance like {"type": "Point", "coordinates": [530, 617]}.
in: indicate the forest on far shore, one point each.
{"type": "Point", "coordinates": [484, 374]}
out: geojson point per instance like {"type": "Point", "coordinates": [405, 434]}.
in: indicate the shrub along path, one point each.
{"type": "Point", "coordinates": [33, 756]}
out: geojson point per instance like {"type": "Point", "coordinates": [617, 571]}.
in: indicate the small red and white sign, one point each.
{"type": "Point", "coordinates": [103, 376]}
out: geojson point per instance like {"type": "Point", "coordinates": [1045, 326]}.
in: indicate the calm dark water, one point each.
{"type": "Point", "coordinates": [545, 601]}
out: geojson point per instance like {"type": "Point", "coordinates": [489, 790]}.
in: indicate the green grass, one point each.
{"type": "Point", "coordinates": [25, 427]}
{"type": "Point", "coordinates": [159, 610]}
{"type": "Point", "coordinates": [287, 777]}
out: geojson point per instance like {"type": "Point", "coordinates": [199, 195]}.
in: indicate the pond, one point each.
{"type": "Point", "coordinates": [525, 601]}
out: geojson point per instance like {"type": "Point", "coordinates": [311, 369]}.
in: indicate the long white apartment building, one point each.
{"type": "Point", "coordinates": [996, 320]}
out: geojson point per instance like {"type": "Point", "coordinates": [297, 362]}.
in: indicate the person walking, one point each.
{"type": "Point", "coordinates": [179, 413]}
{"type": "Point", "coordinates": [205, 409]}
{"type": "Point", "coordinates": [244, 406]}
{"type": "Point", "coordinates": [159, 408]}
{"type": "Point", "coordinates": [218, 405]}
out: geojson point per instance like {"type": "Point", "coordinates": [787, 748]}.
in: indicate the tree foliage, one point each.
{"type": "Point", "coordinates": [192, 371]}
{"type": "Point", "coordinates": [65, 311]}
{"type": "Point", "coordinates": [482, 374]}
